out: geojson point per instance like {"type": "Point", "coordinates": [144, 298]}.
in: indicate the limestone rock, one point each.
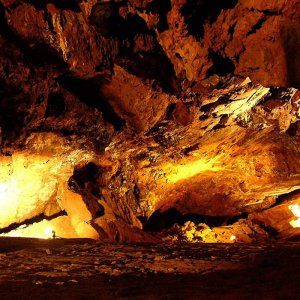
{"type": "Point", "coordinates": [112, 112]}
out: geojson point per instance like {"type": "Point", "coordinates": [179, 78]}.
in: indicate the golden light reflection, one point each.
{"type": "Point", "coordinates": [190, 169]}
{"type": "Point", "coordinates": [21, 188]}
{"type": "Point", "coordinates": [41, 230]}
{"type": "Point", "coordinates": [295, 209]}
{"type": "Point", "coordinates": [233, 238]}
{"type": "Point", "coordinates": [28, 182]}
{"type": "Point", "coordinates": [49, 231]}
{"type": "Point", "coordinates": [4, 188]}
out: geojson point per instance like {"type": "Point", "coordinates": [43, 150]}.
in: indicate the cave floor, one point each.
{"type": "Point", "coordinates": [86, 269]}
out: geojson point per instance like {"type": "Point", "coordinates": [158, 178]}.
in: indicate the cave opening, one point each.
{"type": "Point", "coordinates": [160, 221]}
{"type": "Point", "coordinates": [222, 66]}
{"type": "Point", "coordinates": [85, 181]}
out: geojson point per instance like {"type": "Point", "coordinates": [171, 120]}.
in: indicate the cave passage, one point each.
{"type": "Point", "coordinates": [159, 221]}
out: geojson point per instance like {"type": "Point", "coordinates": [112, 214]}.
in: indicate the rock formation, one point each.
{"type": "Point", "coordinates": [120, 118]}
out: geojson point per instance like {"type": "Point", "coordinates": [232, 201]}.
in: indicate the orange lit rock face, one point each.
{"type": "Point", "coordinates": [255, 38]}
{"type": "Point", "coordinates": [62, 33]}
{"type": "Point", "coordinates": [110, 115]}
{"type": "Point", "coordinates": [214, 172]}
{"type": "Point", "coordinates": [33, 183]}
{"type": "Point", "coordinates": [122, 92]}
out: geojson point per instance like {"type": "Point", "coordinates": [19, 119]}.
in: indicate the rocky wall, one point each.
{"type": "Point", "coordinates": [114, 111]}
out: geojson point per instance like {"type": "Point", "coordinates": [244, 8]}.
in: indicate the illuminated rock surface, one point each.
{"type": "Point", "coordinates": [172, 123]}
{"type": "Point", "coordinates": [126, 118]}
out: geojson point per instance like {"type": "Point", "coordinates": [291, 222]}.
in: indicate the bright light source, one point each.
{"type": "Point", "coordinates": [233, 238]}
{"type": "Point", "coordinates": [295, 209]}
{"type": "Point", "coordinates": [49, 231]}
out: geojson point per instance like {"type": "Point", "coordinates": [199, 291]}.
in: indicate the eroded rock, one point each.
{"type": "Point", "coordinates": [146, 95]}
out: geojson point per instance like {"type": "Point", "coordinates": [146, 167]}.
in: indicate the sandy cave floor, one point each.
{"type": "Point", "coordinates": [86, 269]}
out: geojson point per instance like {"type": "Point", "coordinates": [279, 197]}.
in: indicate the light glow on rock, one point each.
{"type": "Point", "coordinates": [295, 209]}
{"type": "Point", "coordinates": [37, 230]}
{"type": "Point", "coordinates": [48, 231]}
{"type": "Point", "coordinates": [190, 169]}
{"type": "Point", "coordinates": [233, 238]}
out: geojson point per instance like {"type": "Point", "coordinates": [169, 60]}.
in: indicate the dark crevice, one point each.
{"type": "Point", "coordinates": [89, 92]}
{"type": "Point", "coordinates": [151, 66]}
{"type": "Point", "coordinates": [293, 129]}
{"type": "Point", "coordinates": [39, 55]}
{"type": "Point", "coordinates": [257, 26]}
{"type": "Point", "coordinates": [271, 231]}
{"type": "Point", "coordinates": [11, 121]}
{"type": "Point", "coordinates": [190, 149]}
{"type": "Point", "coordinates": [170, 111]}
{"type": "Point", "coordinates": [136, 192]}
{"type": "Point", "coordinates": [102, 17]}
{"type": "Point", "coordinates": [42, 55]}
{"type": "Point", "coordinates": [199, 12]}
{"type": "Point", "coordinates": [49, 20]}
{"type": "Point", "coordinates": [161, 8]}
{"type": "Point", "coordinates": [85, 181]}
{"type": "Point", "coordinates": [4, 29]}
{"type": "Point", "coordinates": [222, 123]}
{"type": "Point", "coordinates": [270, 12]}
{"type": "Point", "coordinates": [149, 62]}
{"type": "Point", "coordinates": [164, 220]}
{"type": "Point", "coordinates": [290, 37]}
{"type": "Point", "coordinates": [107, 21]}
{"type": "Point", "coordinates": [222, 66]}
{"type": "Point", "coordinates": [82, 175]}
{"type": "Point", "coordinates": [231, 29]}
{"type": "Point", "coordinates": [28, 222]}
{"type": "Point", "coordinates": [208, 108]}
{"type": "Point", "coordinates": [235, 219]}
{"type": "Point", "coordinates": [282, 198]}
{"type": "Point", "coordinates": [55, 105]}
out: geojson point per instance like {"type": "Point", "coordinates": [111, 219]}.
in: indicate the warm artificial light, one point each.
{"type": "Point", "coordinates": [36, 230]}
{"type": "Point", "coordinates": [233, 238]}
{"type": "Point", "coordinates": [295, 209]}
{"type": "Point", "coordinates": [49, 231]}
{"type": "Point", "coordinates": [190, 169]}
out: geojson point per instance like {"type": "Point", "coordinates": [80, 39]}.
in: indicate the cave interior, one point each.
{"type": "Point", "coordinates": [166, 124]}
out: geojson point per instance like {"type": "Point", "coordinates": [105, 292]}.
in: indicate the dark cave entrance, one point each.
{"type": "Point", "coordinates": [198, 12]}
{"type": "Point", "coordinates": [160, 221]}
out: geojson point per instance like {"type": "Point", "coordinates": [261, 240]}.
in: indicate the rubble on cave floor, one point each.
{"type": "Point", "coordinates": [190, 232]}
{"type": "Point", "coordinates": [82, 268]}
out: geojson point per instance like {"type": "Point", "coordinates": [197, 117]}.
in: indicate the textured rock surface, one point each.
{"type": "Point", "coordinates": [115, 113]}
{"type": "Point", "coordinates": [255, 38]}
{"type": "Point", "coordinates": [85, 269]}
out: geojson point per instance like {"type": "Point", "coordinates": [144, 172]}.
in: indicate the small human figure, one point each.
{"type": "Point", "coordinates": [53, 234]}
